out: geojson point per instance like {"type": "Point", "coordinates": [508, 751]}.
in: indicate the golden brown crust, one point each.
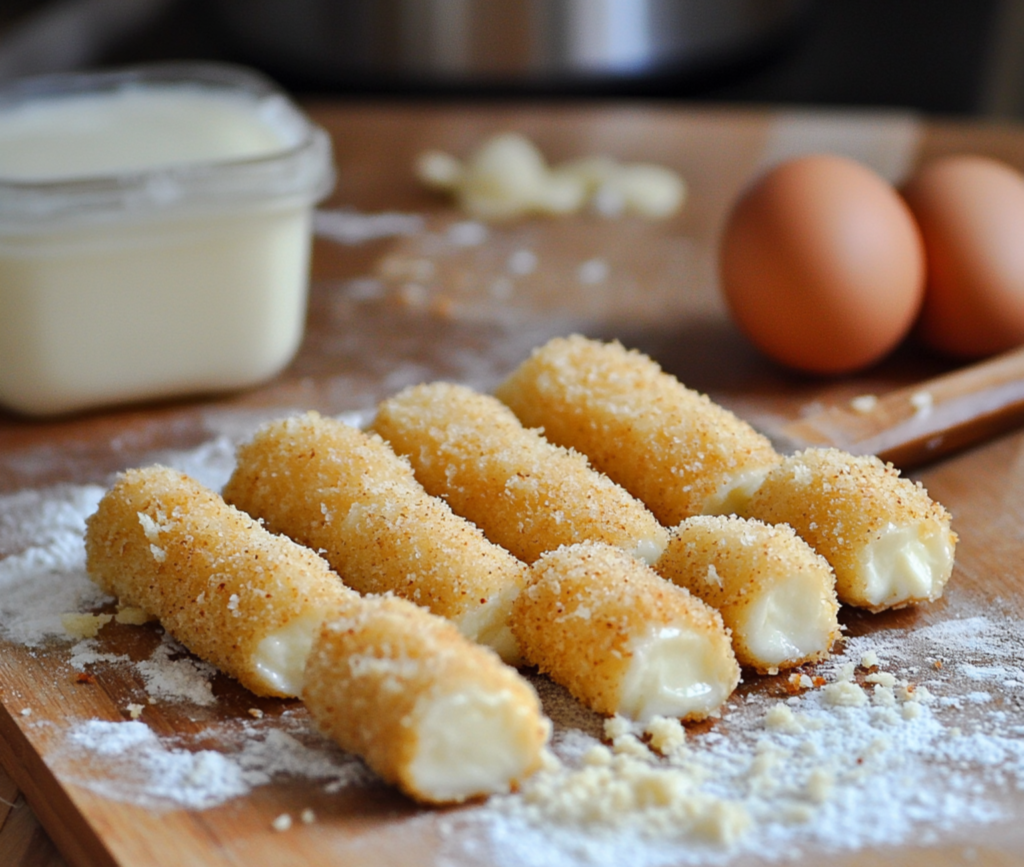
{"type": "Point", "coordinates": [345, 493]}
{"type": "Point", "coordinates": [218, 581]}
{"type": "Point", "coordinates": [587, 604]}
{"type": "Point", "coordinates": [372, 669]}
{"type": "Point", "coordinates": [666, 444]}
{"type": "Point", "coordinates": [523, 492]}
{"type": "Point", "coordinates": [841, 504]}
{"type": "Point", "coordinates": [735, 564]}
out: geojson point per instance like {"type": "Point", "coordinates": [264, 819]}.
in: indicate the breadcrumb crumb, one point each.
{"type": "Point", "coordinates": [84, 625]}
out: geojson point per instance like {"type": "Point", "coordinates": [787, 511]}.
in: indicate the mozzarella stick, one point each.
{"type": "Point", "coordinates": [889, 543]}
{"type": "Point", "coordinates": [776, 595]}
{"type": "Point", "coordinates": [346, 494]}
{"type": "Point", "coordinates": [668, 445]}
{"type": "Point", "coordinates": [230, 591]}
{"type": "Point", "coordinates": [525, 493]}
{"type": "Point", "coordinates": [621, 639]}
{"type": "Point", "coordinates": [442, 718]}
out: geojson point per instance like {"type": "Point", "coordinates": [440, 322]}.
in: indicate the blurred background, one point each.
{"type": "Point", "coordinates": [948, 57]}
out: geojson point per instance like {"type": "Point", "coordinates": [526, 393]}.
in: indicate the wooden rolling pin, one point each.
{"type": "Point", "coordinates": [918, 424]}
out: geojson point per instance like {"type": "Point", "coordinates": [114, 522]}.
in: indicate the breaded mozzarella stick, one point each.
{"type": "Point", "coordinates": [776, 595]}
{"type": "Point", "coordinates": [346, 494]}
{"type": "Point", "coordinates": [439, 716]}
{"type": "Point", "coordinates": [525, 493]}
{"type": "Point", "coordinates": [620, 638]}
{"type": "Point", "coordinates": [668, 445]}
{"type": "Point", "coordinates": [889, 543]}
{"type": "Point", "coordinates": [230, 591]}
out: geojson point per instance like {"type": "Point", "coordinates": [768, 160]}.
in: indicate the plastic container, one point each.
{"type": "Point", "coordinates": [155, 230]}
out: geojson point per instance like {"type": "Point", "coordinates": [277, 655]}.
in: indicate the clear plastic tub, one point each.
{"type": "Point", "coordinates": [155, 229]}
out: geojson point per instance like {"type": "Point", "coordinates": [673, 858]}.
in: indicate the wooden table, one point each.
{"type": "Point", "coordinates": [396, 310]}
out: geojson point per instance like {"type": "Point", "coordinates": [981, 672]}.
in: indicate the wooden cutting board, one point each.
{"type": "Point", "coordinates": [388, 312]}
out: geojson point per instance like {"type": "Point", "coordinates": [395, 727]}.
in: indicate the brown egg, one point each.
{"type": "Point", "coordinates": [822, 265]}
{"type": "Point", "coordinates": [971, 213]}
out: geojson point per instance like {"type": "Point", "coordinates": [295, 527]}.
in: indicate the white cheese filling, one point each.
{"type": "Point", "coordinates": [789, 621]}
{"type": "Point", "coordinates": [488, 624]}
{"type": "Point", "coordinates": [470, 742]}
{"type": "Point", "coordinates": [498, 636]}
{"type": "Point", "coordinates": [650, 550]}
{"type": "Point", "coordinates": [901, 565]}
{"type": "Point", "coordinates": [674, 673]}
{"type": "Point", "coordinates": [280, 658]}
{"type": "Point", "coordinates": [734, 493]}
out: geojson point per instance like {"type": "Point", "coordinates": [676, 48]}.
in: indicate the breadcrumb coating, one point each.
{"type": "Point", "coordinates": [346, 494]}
{"type": "Point", "coordinates": [439, 716]}
{"type": "Point", "coordinates": [525, 493]}
{"type": "Point", "coordinates": [620, 638]}
{"type": "Point", "coordinates": [776, 595]}
{"type": "Point", "coordinates": [889, 543]}
{"type": "Point", "coordinates": [668, 445]}
{"type": "Point", "coordinates": [218, 581]}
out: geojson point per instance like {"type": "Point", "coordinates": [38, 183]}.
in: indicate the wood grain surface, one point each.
{"type": "Point", "coordinates": [394, 311]}
{"type": "Point", "coordinates": [920, 423]}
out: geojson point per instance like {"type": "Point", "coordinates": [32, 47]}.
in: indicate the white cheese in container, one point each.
{"type": "Point", "coordinates": [155, 229]}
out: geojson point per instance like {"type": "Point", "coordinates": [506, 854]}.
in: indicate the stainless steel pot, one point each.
{"type": "Point", "coordinates": [473, 42]}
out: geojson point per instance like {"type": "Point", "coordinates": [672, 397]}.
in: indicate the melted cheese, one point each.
{"type": "Point", "coordinates": [789, 621]}
{"type": "Point", "coordinates": [488, 624]}
{"type": "Point", "coordinates": [902, 566]}
{"type": "Point", "coordinates": [649, 550]}
{"type": "Point", "coordinates": [674, 673]}
{"type": "Point", "coordinates": [732, 497]}
{"type": "Point", "coordinates": [280, 657]}
{"type": "Point", "coordinates": [470, 742]}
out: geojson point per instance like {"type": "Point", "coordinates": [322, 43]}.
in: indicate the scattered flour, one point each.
{"type": "Point", "coordinates": [778, 777]}
{"type": "Point", "coordinates": [902, 736]}
{"type": "Point", "coordinates": [171, 674]}
{"type": "Point", "coordinates": [352, 227]}
{"type": "Point", "coordinates": [127, 761]}
{"type": "Point", "coordinates": [43, 575]}
{"type": "Point", "coordinates": [593, 271]}
{"type": "Point", "coordinates": [468, 233]}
